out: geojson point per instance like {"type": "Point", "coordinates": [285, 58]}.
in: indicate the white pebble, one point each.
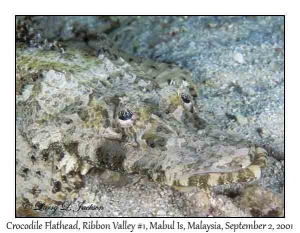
{"type": "Point", "coordinates": [238, 57]}
{"type": "Point", "coordinates": [161, 213]}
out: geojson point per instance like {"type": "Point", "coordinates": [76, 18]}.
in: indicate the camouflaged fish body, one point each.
{"type": "Point", "coordinates": [125, 115]}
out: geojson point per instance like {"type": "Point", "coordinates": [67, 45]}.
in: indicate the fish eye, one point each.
{"type": "Point", "coordinates": [187, 101]}
{"type": "Point", "coordinates": [186, 98]}
{"type": "Point", "coordinates": [125, 115]}
{"type": "Point", "coordinates": [125, 118]}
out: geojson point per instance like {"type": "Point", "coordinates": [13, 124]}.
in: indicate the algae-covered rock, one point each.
{"type": "Point", "coordinates": [199, 204]}
{"type": "Point", "coordinates": [223, 206]}
{"type": "Point", "coordinates": [261, 202]}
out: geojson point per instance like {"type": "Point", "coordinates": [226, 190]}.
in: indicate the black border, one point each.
{"type": "Point", "coordinates": [152, 217]}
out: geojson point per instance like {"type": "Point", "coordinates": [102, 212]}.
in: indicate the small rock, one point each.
{"type": "Point", "coordinates": [262, 202]}
{"type": "Point", "coordinates": [241, 119]}
{"type": "Point", "coordinates": [115, 213]}
{"type": "Point", "coordinates": [238, 57]}
{"type": "Point", "coordinates": [112, 177]}
{"type": "Point", "coordinates": [212, 25]}
{"type": "Point", "coordinates": [199, 205]}
{"type": "Point", "coordinates": [142, 83]}
{"type": "Point", "coordinates": [170, 213]}
{"type": "Point", "coordinates": [223, 206]}
{"type": "Point", "coordinates": [161, 213]}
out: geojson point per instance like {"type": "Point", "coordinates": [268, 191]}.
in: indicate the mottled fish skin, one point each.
{"type": "Point", "coordinates": [248, 174]}
{"type": "Point", "coordinates": [116, 112]}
